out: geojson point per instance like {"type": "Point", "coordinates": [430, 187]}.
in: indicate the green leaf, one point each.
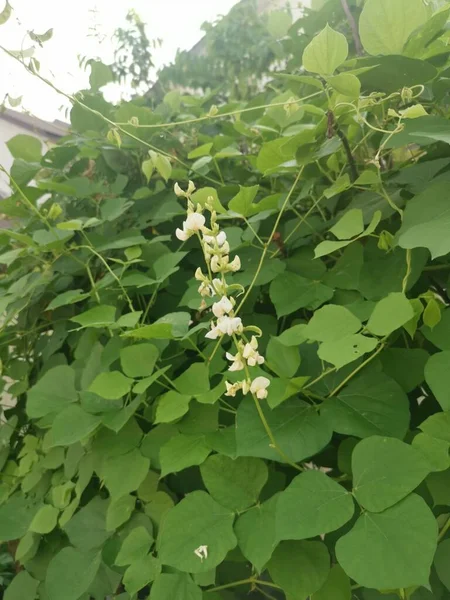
{"type": "Point", "coordinates": [100, 75]}
{"type": "Point", "coordinates": [439, 336]}
{"type": "Point", "coordinates": [99, 316]}
{"type": "Point", "coordinates": [5, 15]}
{"type": "Point", "coordinates": [284, 360]}
{"type": "Point", "coordinates": [390, 314]}
{"type": "Point", "coordinates": [300, 568]}
{"type": "Point", "coordinates": [371, 404]}
{"type": "Point", "coordinates": [303, 293]}
{"type": "Point", "coordinates": [242, 202]}
{"type": "Point", "coordinates": [385, 470]}
{"type": "Point", "coordinates": [437, 375]}
{"type": "Point", "coordinates": [438, 426]}
{"type": "Point", "coordinates": [69, 297]}
{"type": "Point", "coordinates": [124, 474]}
{"type": "Point", "coordinates": [385, 25]}
{"type": "Point", "coordinates": [16, 515]}
{"type": "Point", "coordinates": [336, 587]}
{"type": "Point", "coordinates": [141, 573]}
{"type": "Point", "coordinates": [23, 586]}
{"type": "Point", "coordinates": [183, 451]}
{"type": "Point", "coordinates": [299, 431]}
{"type": "Point", "coordinates": [278, 23]}
{"type": "Point", "coordinates": [435, 451]}
{"type": "Point", "coordinates": [346, 84]}
{"type": "Point", "coordinates": [346, 350]}
{"type": "Point", "coordinates": [169, 586]}
{"type": "Point", "coordinates": [45, 519]}
{"type": "Point", "coordinates": [72, 425]}
{"type": "Point", "coordinates": [52, 393]}
{"type": "Point", "coordinates": [235, 484]}
{"type": "Point", "coordinates": [25, 147]}
{"type": "Point", "coordinates": [440, 562]}
{"type": "Point", "coordinates": [162, 164]}
{"type": "Point", "coordinates": [377, 552]}
{"type": "Point", "coordinates": [406, 366]}
{"type": "Point", "coordinates": [428, 229]}
{"type": "Point", "coordinates": [194, 380]}
{"type": "Point", "coordinates": [326, 52]}
{"type": "Point", "coordinates": [255, 531]}
{"type": "Point", "coordinates": [134, 546]}
{"type": "Point", "coordinates": [86, 530]}
{"type": "Point", "coordinates": [196, 521]}
{"type": "Point", "coordinates": [119, 511]}
{"type": "Point", "coordinates": [313, 504]}
{"type": "Point", "coordinates": [171, 406]}
{"type": "Point", "coordinates": [139, 360]}
{"type": "Point", "coordinates": [147, 168]}
{"type": "Point", "coordinates": [349, 225]}
{"type": "Point", "coordinates": [331, 323]}
{"type": "Point", "coordinates": [208, 195]}
{"type": "Point", "coordinates": [70, 574]}
{"type": "Point", "coordinates": [111, 385]}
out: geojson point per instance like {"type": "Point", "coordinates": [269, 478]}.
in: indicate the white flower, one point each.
{"type": "Point", "coordinates": [178, 191]}
{"type": "Point", "coordinates": [232, 388]}
{"type": "Point", "coordinates": [214, 332]}
{"type": "Point", "coordinates": [223, 307]}
{"type": "Point", "coordinates": [245, 387]}
{"type": "Point", "coordinates": [199, 275]}
{"type": "Point", "coordinates": [205, 290]}
{"type": "Point", "coordinates": [251, 354]}
{"type": "Point", "coordinates": [219, 286]}
{"type": "Point", "coordinates": [235, 264]}
{"type": "Point", "coordinates": [225, 248]}
{"type": "Point", "coordinates": [237, 364]}
{"type": "Point", "coordinates": [181, 234]}
{"type": "Point", "coordinates": [191, 187]}
{"type": "Point", "coordinates": [218, 263]}
{"type": "Point", "coordinates": [221, 238]}
{"type": "Point", "coordinates": [201, 552]}
{"type": "Point", "coordinates": [258, 387]}
{"type": "Point", "coordinates": [230, 325]}
{"type": "Point", "coordinates": [194, 222]}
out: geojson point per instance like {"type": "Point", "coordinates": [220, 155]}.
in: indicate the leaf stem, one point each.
{"type": "Point", "coordinates": [444, 530]}
{"type": "Point", "coordinates": [358, 369]}
{"type": "Point", "coordinates": [408, 271]}
{"type": "Point", "coordinates": [267, 244]}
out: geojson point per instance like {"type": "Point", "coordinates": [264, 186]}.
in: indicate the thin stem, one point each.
{"type": "Point", "coordinates": [321, 376]}
{"type": "Point", "coordinates": [267, 244]}
{"type": "Point", "coordinates": [391, 203]}
{"type": "Point", "coordinates": [253, 230]}
{"type": "Point", "coordinates": [408, 271]}
{"type": "Point", "coordinates": [111, 272]}
{"type": "Point", "coordinates": [358, 369]}
{"type": "Point", "coordinates": [223, 115]}
{"type": "Point", "coordinates": [226, 586]}
{"type": "Point", "coordinates": [444, 529]}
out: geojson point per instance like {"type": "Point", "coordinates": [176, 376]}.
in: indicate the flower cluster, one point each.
{"type": "Point", "coordinates": [213, 284]}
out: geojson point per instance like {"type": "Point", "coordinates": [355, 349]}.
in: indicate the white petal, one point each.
{"type": "Point", "coordinates": [181, 235]}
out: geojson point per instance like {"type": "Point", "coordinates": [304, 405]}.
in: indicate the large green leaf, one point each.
{"type": "Point", "coordinates": [134, 546]}
{"type": "Point", "coordinates": [139, 360]}
{"type": "Point", "coordinates": [140, 573]}
{"type": "Point", "coordinates": [371, 404]}
{"type": "Point", "coordinates": [196, 521]}
{"type": "Point", "coordinates": [72, 425]}
{"type": "Point", "coordinates": [169, 586]}
{"type": "Point", "coordinates": [298, 430]}
{"type": "Point", "coordinates": [313, 504]}
{"type": "Point", "coordinates": [381, 550]}
{"type": "Point", "coordinates": [256, 533]}
{"type": "Point", "coordinates": [299, 568]}
{"type": "Point", "coordinates": [326, 52]}
{"type": "Point", "coordinates": [53, 392]}
{"type": "Point", "coordinates": [427, 228]}
{"type": "Point", "coordinates": [70, 574]}
{"type": "Point", "coordinates": [86, 530]}
{"type": "Point", "coordinates": [302, 293]}
{"type": "Point", "coordinates": [331, 323]}
{"type": "Point", "coordinates": [389, 314]}
{"type": "Point", "coordinates": [183, 451]}
{"type": "Point", "coordinates": [235, 484]}
{"type": "Point", "coordinates": [22, 587]}
{"type": "Point", "coordinates": [385, 25]}
{"type": "Point", "coordinates": [111, 385]}
{"type": "Point", "coordinates": [125, 473]}
{"type": "Point", "coordinates": [336, 587]}
{"type": "Point", "coordinates": [437, 375]}
{"type": "Point", "coordinates": [385, 470]}
{"type": "Point", "coordinates": [26, 147]}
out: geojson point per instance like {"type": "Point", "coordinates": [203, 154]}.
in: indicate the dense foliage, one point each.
{"type": "Point", "coordinates": [134, 462]}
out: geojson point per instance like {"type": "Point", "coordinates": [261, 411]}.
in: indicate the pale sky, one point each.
{"type": "Point", "coordinates": [177, 22]}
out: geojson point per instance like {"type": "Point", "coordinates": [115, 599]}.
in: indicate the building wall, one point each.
{"type": "Point", "coordinates": [13, 123]}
